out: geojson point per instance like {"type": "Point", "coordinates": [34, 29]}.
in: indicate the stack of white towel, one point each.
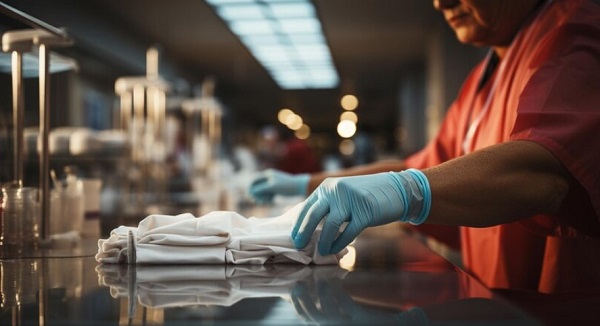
{"type": "Point", "coordinates": [220, 237]}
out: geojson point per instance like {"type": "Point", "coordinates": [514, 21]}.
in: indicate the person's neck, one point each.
{"type": "Point", "coordinates": [500, 51]}
{"type": "Point", "coordinates": [530, 14]}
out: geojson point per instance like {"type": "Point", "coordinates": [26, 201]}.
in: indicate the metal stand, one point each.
{"type": "Point", "coordinates": [143, 110]}
{"type": "Point", "coordinates": [19, 42]}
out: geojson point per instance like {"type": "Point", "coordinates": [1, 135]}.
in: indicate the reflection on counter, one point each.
{"type": "Point", "coordinates": [296, 294]}
{"type": "Point", "coordinates": [219, 285]}
{"type": "Point", "coordinates": [407, 285]}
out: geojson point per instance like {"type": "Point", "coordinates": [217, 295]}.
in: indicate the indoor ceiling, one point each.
{"type": "Point", "coordinates": [372, 43]}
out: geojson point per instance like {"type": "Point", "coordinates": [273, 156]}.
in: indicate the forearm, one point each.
{"type": "Point", "coordinates": [496, 185]}
{"type": "Point", "coordinates": [380, 166]}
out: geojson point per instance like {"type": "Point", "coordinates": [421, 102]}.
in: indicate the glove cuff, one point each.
{"type": "Point", "coordinates": [415, 190]}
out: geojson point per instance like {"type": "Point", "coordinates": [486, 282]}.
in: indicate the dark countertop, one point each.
{"type": "Point", "coordinates": [393, 279]}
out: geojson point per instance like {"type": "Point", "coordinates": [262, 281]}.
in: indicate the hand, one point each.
{"type": "Point", "coordinates": [271, 182]}
{"type": "Point", "coordinates": [361, 202]}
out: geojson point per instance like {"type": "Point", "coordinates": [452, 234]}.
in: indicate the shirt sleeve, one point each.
{"type": "Point", "coordinates": [559, 107]}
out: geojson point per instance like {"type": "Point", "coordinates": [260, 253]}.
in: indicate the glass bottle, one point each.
{"type": "Point", "coordinates": [20, 219]}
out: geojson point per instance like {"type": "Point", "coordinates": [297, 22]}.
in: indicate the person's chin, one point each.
{"type": "Point", "coordinates": [465, 36]}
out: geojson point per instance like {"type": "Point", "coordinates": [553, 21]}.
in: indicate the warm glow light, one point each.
{"type": "Point", "coordinates": [303, 132]}
{"type": "Point", "coordinates": [349, 260]}
{"type": "Point", "coordinates": [296, 123]}
{"type": "Point", "coordinates": [349, 102]}
{"type": "Point", "coordinates": [293, 121]}
{"type": "Point", "coordinates": [349, 115]}
{"type": "Point", "coordinates": [347, 147]}
{"type": "Point", "coordinates": [346, 128]}
{"type": "Point", "coordinates": [283, 115]}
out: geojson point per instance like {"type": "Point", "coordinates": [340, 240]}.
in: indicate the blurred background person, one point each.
{"type": "Point", "coordinates": [280, 149]}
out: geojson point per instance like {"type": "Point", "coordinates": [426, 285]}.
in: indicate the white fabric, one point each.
{"type": "Point", "coordinates": [220, 237]}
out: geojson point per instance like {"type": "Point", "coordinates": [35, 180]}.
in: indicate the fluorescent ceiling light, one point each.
{"type": "Point", "coordinates": [314, 53]}
{"type": "Point", "coordinates": [307, 38]}
{"type": "Point", "coordinates": [227, 2]}
{"type": "Point", "coordinates": [241, 12]}
{"type": "Point", "coordinates": [285, 36]}
{"type": "Point", "coordinates": [300, 25]}
{"type": "Point", "coordinates": [265, 39]}
{"type": "Point", "coordinates": [292, 10]}
{"type": "Point", "coordinates": [274, 53]}
{"type": "Point", "coordinates": [252, 27]}
{"type": "Point", "coordinates": [273, 1]}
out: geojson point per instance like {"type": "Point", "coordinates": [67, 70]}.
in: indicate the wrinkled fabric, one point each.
{"type": "Point", "coordinates": [220, 237]}
{"type": "Point", "coordinates": [546, 91]}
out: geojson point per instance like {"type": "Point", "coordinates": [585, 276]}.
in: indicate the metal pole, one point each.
{"type": "Point", "coordinates": [139, 130]}
{"type": "Point", "coordinates": [139, 122]}
{"type": "Point", "coordinates": [18, 113]}
{"type": "Point", "coordinates": [125, 122]}
{"type": "Point", "coordinates": [44, 55]}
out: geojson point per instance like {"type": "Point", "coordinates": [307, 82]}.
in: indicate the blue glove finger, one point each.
{"type": "Point", "coordinates": [307, 205]}
{"type": "Point", "coordinates": [305, 304]}
{"type": "Point", "coordinates": [261, 177]}
{"type": "Point", "coordinates": [309, 223]}
{"type": "Point", "coordinates": [350, 233]}
{"type": "Point", "coordinates": [261, 188]}
{"type": "Point", "coordinates": [331, 229]}
{"type": "Point", "coordinates": [262, 200]}
{"type": "Point", "coordinates": [329, 294]}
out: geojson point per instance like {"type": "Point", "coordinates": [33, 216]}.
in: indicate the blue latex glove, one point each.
{"type": "Point", "coordinates": [271, 182]}
{"type": "Point", "coordinates": [361, 202]}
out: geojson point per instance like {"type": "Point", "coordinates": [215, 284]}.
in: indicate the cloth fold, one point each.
{"type": "Point", "coordinates": [219, 237]}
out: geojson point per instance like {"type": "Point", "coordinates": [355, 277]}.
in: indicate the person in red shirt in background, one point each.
{"type": "Point", "coordinates": [283, 158]}
{"type": "Point", "coordinates": [280, 149]}
{"type": "Point", "coordinates": [297, 156]}
{"type": "Point", "coordinates": [516, 163]}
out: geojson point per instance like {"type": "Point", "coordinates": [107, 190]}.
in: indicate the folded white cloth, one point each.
{"type": "Point", "coordinates": [220, 237]}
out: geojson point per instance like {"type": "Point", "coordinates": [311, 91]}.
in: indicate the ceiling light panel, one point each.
{"type": "Point", "coordinates": [227, 2]}
{"type": "Point", "coordinates": [285, 36]}
{"type": "Point", "coordinates": [241, 12]}
{"type": "Point", "coordinates": [292, 10]}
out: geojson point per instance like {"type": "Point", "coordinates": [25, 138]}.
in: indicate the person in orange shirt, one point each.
{"type": "Point", "coordinates": [515, 164]}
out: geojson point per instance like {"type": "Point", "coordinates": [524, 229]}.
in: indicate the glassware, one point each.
{"type": "Point", "coordinates": [20, 220]}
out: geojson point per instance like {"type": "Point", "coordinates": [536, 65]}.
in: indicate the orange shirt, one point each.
{"type": "Point", "coordinates": [546, 89]}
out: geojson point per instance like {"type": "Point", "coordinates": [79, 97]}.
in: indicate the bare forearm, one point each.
{"type": "Point", "coordinates": [497, 185]}
{"type": "Point", "coordinates": [380, 166]}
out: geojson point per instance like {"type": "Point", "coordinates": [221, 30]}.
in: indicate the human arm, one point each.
{"type": "Point", "coordinates": [270, 182]}
{"type": "Point", "coordinates": [375, 167]}
{"type": "Point", "coordinates": [492, 186]}
{"type": "Point", "coordinates": [496, 185]}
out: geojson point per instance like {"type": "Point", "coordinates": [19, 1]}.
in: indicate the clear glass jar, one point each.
{"type": "Point", "coordinates": [20, 220]}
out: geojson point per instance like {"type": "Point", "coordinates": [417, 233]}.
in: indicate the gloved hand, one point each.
{"type": "Point", "coordinates": [361, 202]}
{"type": "Point", "coordinates": [270, 182]}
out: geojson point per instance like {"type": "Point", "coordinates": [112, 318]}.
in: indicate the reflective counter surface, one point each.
{"type": "Point", "coordinates": [388, 277]}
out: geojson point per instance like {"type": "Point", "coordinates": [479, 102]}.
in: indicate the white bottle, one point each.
{"type": "Point", "coordinates": [73, 205]}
